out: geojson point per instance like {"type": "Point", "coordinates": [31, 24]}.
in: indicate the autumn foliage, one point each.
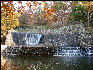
{"type": "Point", "coordinates": [41, 13]}
{"type": "Point", "coordinates": [9, 17]}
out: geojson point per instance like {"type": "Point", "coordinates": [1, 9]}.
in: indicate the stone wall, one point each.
{"type": "Point", "coordinates": [63, 39]}
{"type": "Point", "coordinates": [73, 35]}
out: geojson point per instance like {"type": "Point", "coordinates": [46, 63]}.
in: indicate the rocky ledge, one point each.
{"type": "Point", "coordinates": [73, 35]}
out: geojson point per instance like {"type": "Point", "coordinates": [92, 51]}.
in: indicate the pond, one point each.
{"type": "Point", "coordinates": [28, 62]}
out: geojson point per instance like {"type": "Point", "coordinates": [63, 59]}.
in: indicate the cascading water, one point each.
{"type": "Point", "coordinates": [32, 39]}
{"type": "Point", "coordinates": [22, 38]}
{"type": "Point", "coordinates": [74, 51]}
{"type": "Point", "coordinates": [25, 39]}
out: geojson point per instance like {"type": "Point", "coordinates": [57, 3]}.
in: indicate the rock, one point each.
{"type": "Point", "coordinates": [41, 45]}
{"type": "Point", "coordinates": [3, 47]}
{"type": "Point", "coordinates": [47, 44]}
{"type": "Point", "coordinates": [73, 35]}
{"type": "Point", "coordinates": [35, 46]}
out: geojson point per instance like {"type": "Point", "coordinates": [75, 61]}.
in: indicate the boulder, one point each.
{"type": "Point", "coordinates": [47, 44]}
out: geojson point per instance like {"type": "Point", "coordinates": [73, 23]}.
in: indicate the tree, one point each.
{"type": "Point", "coordinates": [79, 14]}
{"type": "Point", "coordinates": [41, 16]}
{"type": "Point", "coordinates": [89, 8]}
{"type": "Point", "coordinates": [60, 8]}
{"type": "Point", "coordinates": [9, 18]}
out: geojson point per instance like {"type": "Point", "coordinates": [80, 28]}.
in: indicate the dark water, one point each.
{"type": "Point", "coordinates": [26, 62]}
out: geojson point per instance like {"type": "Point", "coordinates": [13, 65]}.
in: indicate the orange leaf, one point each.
{"type": "Point", "coordinates": [39, 3]}
{"type": "Point", "coordinates": [22, 6]}
{"type": "Point", "coordinates": [23, 10]}
{"type": "Point", "coordinates": [45, 4]}
{"type": "Point", "coordinates": [20, 2]}
{"type": "Point", "coordinates": [27, 4]}
{"type": "Point", "coordinates": [10, 1]}
{"type": "Point", "coordinates": [52, 10]}
{"type": "Point", "coordinates": [35, 3]}
{"type": "Point", "coordinates": [44, 9]}
{"type": "Point", "coordinates": [49, 11]}
{"type": "Point", "coordinates": [20, 12]}
{"type": "Point", "coordinates": [44, 1]}
{"type": "Point", "coordinates": [30, 6]}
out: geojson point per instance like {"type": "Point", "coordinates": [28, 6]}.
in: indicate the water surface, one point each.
{"type": "Point", "coordinates": [27, 62]}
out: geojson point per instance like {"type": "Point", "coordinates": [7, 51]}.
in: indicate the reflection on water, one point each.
{"type": "Point", "coordinates": [25, 62]}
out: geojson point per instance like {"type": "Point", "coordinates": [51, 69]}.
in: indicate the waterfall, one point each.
{"type": "Point", "coordinates": [23, 38]}
{"type": "Point", "coordinates": [32, 39]}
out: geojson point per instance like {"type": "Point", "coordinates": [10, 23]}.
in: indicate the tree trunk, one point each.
{"type": "Point", "coordinates": [88, 18]}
